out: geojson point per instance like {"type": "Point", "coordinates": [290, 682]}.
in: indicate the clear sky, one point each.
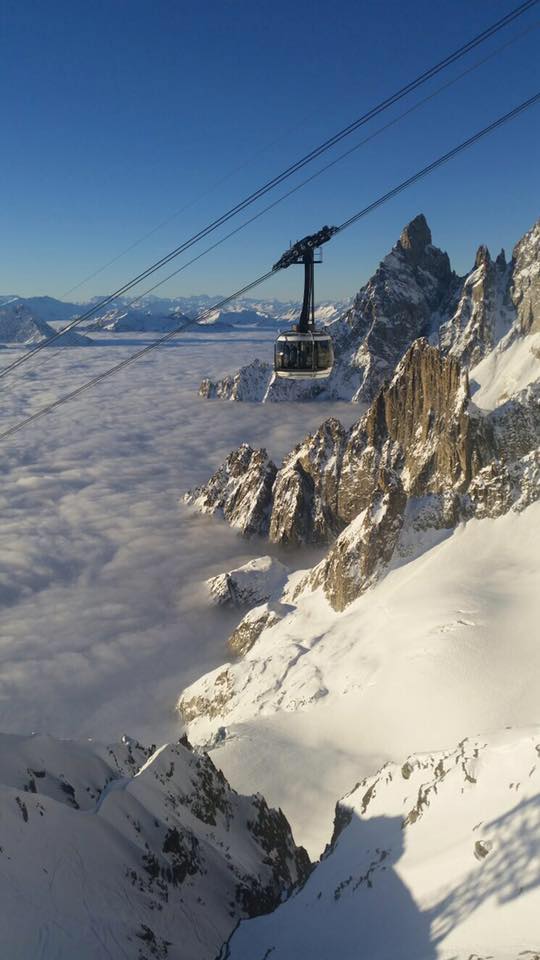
{"type": "Point", "coordinates": [116, 114]}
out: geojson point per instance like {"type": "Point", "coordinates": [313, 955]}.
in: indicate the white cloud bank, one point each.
{"type": "Point", "coordinates": [102, 618]}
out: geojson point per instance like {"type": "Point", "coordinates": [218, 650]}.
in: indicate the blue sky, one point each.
{"type": "Point", "coordinates": [117, 114]}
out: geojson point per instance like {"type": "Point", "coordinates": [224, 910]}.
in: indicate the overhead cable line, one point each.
{"type": "Point", "coordinates": [445, 158]}
{"type": "Point", "coordinates": [327, 166]}
{"type": "Point", "coordinates": [187, 206]}
{"type": "Point", "coordinates": [440, 161]}
{"type": "Point", "coordinates": [284, 175]}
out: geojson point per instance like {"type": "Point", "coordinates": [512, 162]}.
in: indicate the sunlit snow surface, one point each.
{"type": "Point", "coordinates": [439, 861]}
{"type": "Point", "coordinates": [103, 618]}
{"type": "Point", "coordinates": [442, 648]}
{"type": "Point", "coordinates": [510, 367]}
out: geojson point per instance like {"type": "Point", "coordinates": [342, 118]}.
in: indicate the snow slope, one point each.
{"type": "Point", "coordinates": [436, 859]}
{"type": "Point", "coordinates": [122, 852]}
{"type": "Point", "coordinates": [446, 645]}
{"type": "Point", "coordinates": [509, 368]}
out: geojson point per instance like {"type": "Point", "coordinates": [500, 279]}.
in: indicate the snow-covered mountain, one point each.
{"type": "Point", "coordinates": [445, 644]}
{"type": "Point", "coordinates": [424, 605]}
{"type": "Point", "coordinates": [134, 320]}
{"type": "Point", "coordinates": [123, 851]}
{"type": "Point", "coordinates": [416, 629]}
{"type": "Point", "coordinates": [437, 857]}
{"type": "Point", "coordinates": [413, 293]}
{"type": "Point", "coordinates": [422, 456]}
{"type": "Point", "coordinates": [45, 308]}
{"type": "Point", "coordinates": [153, 314]}
{"type": "Point", "coordinates": [18, 324]}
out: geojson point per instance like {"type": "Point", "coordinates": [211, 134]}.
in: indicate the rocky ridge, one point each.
{"type": "Point", "coordinates": [147, 853]}
{"type": "Point", "coordinates": [413, 293]}
{"type": "Point", "coordinates": [239, 491]}
{"type": "Point", "coordinates": [422, 442]}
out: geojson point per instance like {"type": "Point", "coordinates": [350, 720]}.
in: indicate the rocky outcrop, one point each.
{"type": "Point", "coordinates": [525, 281]}
{"type": "Point", "coordinates": [191, 707]}
{"type": "Point", "coordinates": [249, 630]}
{"type": "Point", "coordinates": [19, 325]}
{"type": "Point", "coordinates": [421, 442]}
{"type": "Point", "coordinates": [516, 423]}
{"type": "Point", "coordinates": [132, 852]}
{"type": "Point", "coordinates": [249, 383]}
{"type": "Point", "coordinates": [250, 584]}
{"type": "Point", "coordinates": [240, 491]}
{"type": "Point", "coordinates": [366, 545]}
{"type": "Point", "coordinates": [305, 491]}
{"type": "Point", "coordinates": [501, 487]}
{"type": "Point", "coordinates": [419, 427]}
{"type": "Point", "coordinates": [484, 312]}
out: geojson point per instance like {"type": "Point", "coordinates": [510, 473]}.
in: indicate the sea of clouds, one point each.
{"type": "Point", "coordinates": [103, 619]}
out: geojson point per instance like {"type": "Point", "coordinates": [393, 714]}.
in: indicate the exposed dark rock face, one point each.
{"type": "Point", "coordinates": [483, 313]}
{"type": "Point", "coordinates": [422, 443]}
{"type": "Point", "coordinates": [418, 428]}
{"type": "Point", "coordinates": [240, 491]}
{"type": "Point", "coordinates": [365, 546]}
{"type": "Point", "coordinates": [250, 628]}
{"type": "Point", "coordinates": [525, 281]}
{"type": "Point", "coordinates": [305, 492]}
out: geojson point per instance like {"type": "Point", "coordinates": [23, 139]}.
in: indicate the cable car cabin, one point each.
{"type": "Point", "coordinates": [305, 353]}
{"type": "Point", "coordinates": [303, 356]}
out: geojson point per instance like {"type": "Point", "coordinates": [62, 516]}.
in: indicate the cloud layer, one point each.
{"type": "Point", "coordinates": [102, 616]}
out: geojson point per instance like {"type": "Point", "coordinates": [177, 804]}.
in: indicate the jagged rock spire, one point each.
{"type": "Point", "coordinates": [482, 256]}
{"type": "Point", "coordinates": [415, 237]}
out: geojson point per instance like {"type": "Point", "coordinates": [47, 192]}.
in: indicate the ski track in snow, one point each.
{"type": "Point", "coordinates": [103, 617]}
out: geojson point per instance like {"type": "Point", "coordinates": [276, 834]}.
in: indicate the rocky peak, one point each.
{"type": "Point", "coordinates": [413, 293]}
{"type": "Point", "coordinates": [240, 490]}
{"type": "Point", "coordinates": [415, 237]}
{"type": "Point", "coordinates": [482, 257]}
{"type": "Point", "coordinates": [501, 260]}
{"type": "Point", "coordinates": [525, 283]}
{"type": "Point", "coordinates": [481, 313]}
{"type": "Point", "coordinates": [304, 497]}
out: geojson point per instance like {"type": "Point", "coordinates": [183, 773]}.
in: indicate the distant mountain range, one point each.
{"type": "Point", "coordinates": [149, 314]}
